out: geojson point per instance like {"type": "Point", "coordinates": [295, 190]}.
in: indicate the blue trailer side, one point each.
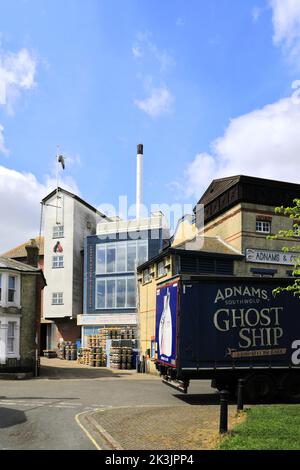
{"type": "Point", "coordinates": [226, 329]}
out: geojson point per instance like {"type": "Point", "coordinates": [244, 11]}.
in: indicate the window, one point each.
{"type": "Point", "coordinates": [131, 293]}
{"type": "Point", "coordinates": [131, 256]}
{"type": "Point", "coordinates": [11, 333]}
{"type": "Point", "coordinates": [11, 288]}
{"type": "Point", "coordinates": [142, 251]}
{"type": "Point", "coordinates": [263, 226]}
{"type": "Point", "coordinates": [57, 298]}
{"type": "Point", "coordinates": [101, 251]}
{"type": "Point", "coordinates": [146, 276]}
{"type": "Point", "coordinates": [58, 231]}
{"type": "Point", "coordinates": [100, 300]}
{"type": "Point", "coordinates": [58, 261]}
{"type": "Point", "coordinates": [111, 259]}
{"type": "Point", "coordinates": [121, 257]}
{"type": "Point", "coordinates": [161, 269]}
{"type": "Point", "coordinates": [121, 293]}
{"type": "Point", "coordinates": [121, 265]}
{"type": "Point", "coordinates": [115, 293]}
{"type": "Point", "coordinates": [110, 293]}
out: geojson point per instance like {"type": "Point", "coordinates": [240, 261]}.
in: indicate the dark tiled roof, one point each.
{"type": "Point", "coordinates": [218, 187]}
{"type": "Point", "coordinates": [205, 246]}
{"type": "Point", "coordinates": [7, 263]}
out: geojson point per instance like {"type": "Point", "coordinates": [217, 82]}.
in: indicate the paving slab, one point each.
{"type": "Point", "coordinates": [160, 427]}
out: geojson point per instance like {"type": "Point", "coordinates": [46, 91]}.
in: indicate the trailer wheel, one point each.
{"type": "Point", "coordinates": [259, 388]}
{"type": "Point", "coordinates": [291, 388]}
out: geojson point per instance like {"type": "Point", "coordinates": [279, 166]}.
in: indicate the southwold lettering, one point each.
{"type": "Point", "coordinates": [257, 327]}
{"type": "Point", "coordinates": [241, 291]}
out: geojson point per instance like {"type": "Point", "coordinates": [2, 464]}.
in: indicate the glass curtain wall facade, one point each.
{"type": "Point", "coordinates": [115, 273]}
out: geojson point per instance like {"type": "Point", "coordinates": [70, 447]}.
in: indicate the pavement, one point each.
{"type": "Point", "coordinates": [76, 407]}
{"type": "Point", "coordinates": [157, 427]}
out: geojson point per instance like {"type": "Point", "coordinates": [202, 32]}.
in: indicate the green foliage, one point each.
{"type": "Point", "coordinates": [273, 427]}
{"type": "Point", "coordinates": [293, 213]}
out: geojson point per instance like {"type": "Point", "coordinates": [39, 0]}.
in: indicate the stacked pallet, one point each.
{"type": "Point", "coordinates": [94, 355]}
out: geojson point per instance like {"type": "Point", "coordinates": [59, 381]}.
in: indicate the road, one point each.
{"type": "Point", "coordinates": [40, 413]}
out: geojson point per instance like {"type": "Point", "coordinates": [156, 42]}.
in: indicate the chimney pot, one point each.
{"type": "Point", "coordinates": [140, 149]}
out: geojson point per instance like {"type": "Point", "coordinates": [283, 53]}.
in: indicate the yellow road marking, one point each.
{"type": "Point", "coordinates": [85, 430]}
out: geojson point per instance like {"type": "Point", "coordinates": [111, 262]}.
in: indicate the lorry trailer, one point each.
{"type": "Point", "coordinates": [228, 329]}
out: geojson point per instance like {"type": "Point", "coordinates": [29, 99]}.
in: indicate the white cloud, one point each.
{"type": "Point", "coordinates": [286, 22]}
{"type": "Point", "coordinates": [144, 47]}
{"type": "Point", "coordinates": [3, 149]}
{"type": "Point", "coordinates": [159, 102]}
{"type": "Point", "coordinates": [256, 13]}
{"type": "Point", "coordinates": [20, 196]}
{"type": "Point", "coordinates": [137, 52]}
{"type": "Point", "coordinates": [17, 73]}
{"type": "Point", "coordinates": [264, 143]}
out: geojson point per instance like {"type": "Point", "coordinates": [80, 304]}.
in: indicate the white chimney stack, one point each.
{"type": "Point", "coordinates": [139, 180]}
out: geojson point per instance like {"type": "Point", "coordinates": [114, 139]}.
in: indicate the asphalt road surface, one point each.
{"type": "Point", "coordinates": [41, 413]}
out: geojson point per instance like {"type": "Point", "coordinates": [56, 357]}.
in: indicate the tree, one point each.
{"type": "Point", "coordinates": [294, 213]}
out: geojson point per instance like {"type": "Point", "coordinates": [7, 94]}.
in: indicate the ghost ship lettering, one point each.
{"type": "Point", "coordinates": [165, 328]}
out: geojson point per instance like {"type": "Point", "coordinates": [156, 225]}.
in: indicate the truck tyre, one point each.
{"type": "Point", "coordinates": [259, 388]}
{"type": "Point", "coordinates": [291, 388]}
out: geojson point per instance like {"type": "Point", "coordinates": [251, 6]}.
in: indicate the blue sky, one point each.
{"type": "Point", "coordinates": [186, 79]}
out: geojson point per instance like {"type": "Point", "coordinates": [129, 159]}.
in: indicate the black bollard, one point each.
{"type": "Point", "coordinates": [240, 398]}
{"type": "Point", "coordinates": [224, 411]}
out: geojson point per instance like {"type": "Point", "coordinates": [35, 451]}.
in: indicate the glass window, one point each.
{"type": "Point", "coordinates": [263, 226]}
{"type": "Point", "coordinates": [146, 276]}
{"type": "Point", "coordinates": [11, 288]}
{"type": "Point", "coordinates": [57, 298]}
{"type": "Point", "coordinates": [142, 251]}
{"type": "Point", "coordinates": [131, 256]}
{"type": "Point", "coordinates": [121, 293]}
{"type": "Point", "coordinates": [121, 258]}
{"type": "Point", "coordinates": [101, 268]}
{"type": "Point", "coordinates": [58, 261]}
{"type": "Point", "coordinates": [161, 270]}
{"type": "Point", "coordinates": [131, 292]}
{"type": "Point", "coordinates": [11, 337]}
{"type": "Point", "coordinates": [100, 301]}
{"type": "Point", "coordinates": [111, 259]}
{"type": "Point", "coordinates": [116, 293]}
{"type": "Point", "coordinates": [58, 231]}
{"type": "Point", "coordinates": [110, 293]}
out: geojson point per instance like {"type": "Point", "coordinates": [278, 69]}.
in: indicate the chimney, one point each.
{"type": "Point", "coordinates": [139, 180]}
{"type": "Point", "coordinates": [32, 253]}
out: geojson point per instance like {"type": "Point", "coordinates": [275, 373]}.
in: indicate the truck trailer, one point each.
{"type": "Point", "coordinates": [228, 329]}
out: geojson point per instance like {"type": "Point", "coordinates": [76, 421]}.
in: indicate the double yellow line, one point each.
{"type": "Point", "coordinates": [86, 432]}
